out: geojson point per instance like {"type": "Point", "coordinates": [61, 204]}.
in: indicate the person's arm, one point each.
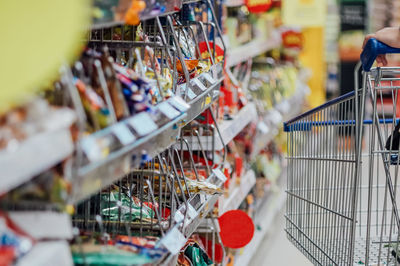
{"type": "Point", "coordinates": [389, 36]}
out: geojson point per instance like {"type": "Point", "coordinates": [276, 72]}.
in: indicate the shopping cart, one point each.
{"type": "Point", "coordinates": [343, 171]}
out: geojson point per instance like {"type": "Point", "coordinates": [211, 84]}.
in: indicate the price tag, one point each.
{"type": "Point", "coordinates": [199, 84]}
{"type": "Point", "coordinates": [142, 123]}
{"type": "Point", "coordinates": [179, 104]}
{"type": "Point", "coordinates": [192, 212]}
{"type": "Point", "coordinates": [219, 175]}
{"type": "Point", "coordinates": [91, 148]}
{"type": "Point", "coordinates": [168, 110]}
{"type": "Point", "coordinates": [123, 134]}
{"type": "Point", "coordinates": [178, 216]}
{"type": "Point", "coordinates": [173, 241]}
{"type": "Point", "coordinates": [191, 94]}
{"type": "Point", "coordinates": [210, 79]}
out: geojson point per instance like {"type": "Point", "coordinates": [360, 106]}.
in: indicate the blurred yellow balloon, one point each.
{"type": "Point", "coordinates": [36, 38]}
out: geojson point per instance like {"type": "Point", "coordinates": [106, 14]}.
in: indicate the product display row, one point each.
{"type": "Point", "coordinates": [156, 143]}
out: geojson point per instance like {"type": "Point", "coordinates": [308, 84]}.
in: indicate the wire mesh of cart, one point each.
{"type": "Point", "coordinates": [343, 171]}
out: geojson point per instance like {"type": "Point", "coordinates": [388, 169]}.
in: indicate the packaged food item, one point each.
{"type": "Point", "coordinates": [115, 206]}
{"type": "Point", "coordinates": [132, 16]}
{"type": "Point", "coordinates": [108, 255]}
{"type": "Point", "coordinates": [117, 250]}
{"type": "Point", "coordinates": [194, 254]}
{"type": "Point", "coordinates": [114, 87]}
{"type": "Point", "coordinates": [94, 105]}
{"type": "Point", "coordinates": [195, 186]}
{"type": "Point", "coordinates": [186, 43]}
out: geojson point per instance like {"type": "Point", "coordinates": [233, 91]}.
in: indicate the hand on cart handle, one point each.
{"type": "Point", "coordinates": [377, 45]}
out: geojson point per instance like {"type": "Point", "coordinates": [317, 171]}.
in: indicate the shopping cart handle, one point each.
{"type": "Point", "coordinates": [372, 49]}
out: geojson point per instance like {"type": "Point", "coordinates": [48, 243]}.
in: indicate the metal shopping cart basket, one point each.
{"type": "Point", "coordinates": [343, 171]}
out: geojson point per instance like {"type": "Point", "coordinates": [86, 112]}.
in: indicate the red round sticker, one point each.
{"type": "Point", "coordinates": [237, 228]}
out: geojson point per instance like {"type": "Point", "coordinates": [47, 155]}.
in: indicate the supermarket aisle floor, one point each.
{"type": "Point", "coordinates": [276, 250]}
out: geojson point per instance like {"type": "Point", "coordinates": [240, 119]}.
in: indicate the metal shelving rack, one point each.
{"type": "Point", "coordinates": [39, 152]}
{"type": "Point", "coordinates": [209, 84]}
{"type": "Point", "coordinates": [98, 173]}
{"type": "Point", "coordinates": [275, 198]}
{"type": "Point", "coordinates": [228, 129]}
{"type": "Point", "coordinates": [200, 93]}
{"type": "Point", "coordinates": [238, 193]}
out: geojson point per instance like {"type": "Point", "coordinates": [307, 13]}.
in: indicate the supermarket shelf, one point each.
{"type": "Point", "coordinates": [265, 133]}
{"type": "Point", "coordinates": [252, 49]}
{"type": "Point", "coordinates": [179, 236]}
{"type": "Point", "coordinates": [269, 126]}
{"type": "Point", "coordinates": [205, 91]}
{"type": "Point", "coordinates": [204, 203]}
{"type": "Point", "coordinates": [98, 174]}
{"type": "Point", "coordinates": [290, 107]}
{"type": "Point", "coordinates": [39, 152]}
{"type": "Point", "coordinates": [238, 193]}
{"type": "Point", "coordinates": [228, 128]}
{"type": "Point", "coordinates": [200, 206]}
{"type": "Point", "coordinates": [203, 211]}
{"type": "Point", "coordinates": [267, 215]}
{"type": "Point", "coordinates": [273, 204]}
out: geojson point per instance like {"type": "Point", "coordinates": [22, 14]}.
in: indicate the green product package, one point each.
{"type": "Point", "coordinates": [107, 258]}
{"type": "Point", "coordinates": [130, 209]}
{"type": "Point", "coordinates": [197, 256]}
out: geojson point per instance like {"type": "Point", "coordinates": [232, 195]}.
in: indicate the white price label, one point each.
{"type": "Point", "coordinates": [178, 216]}
{"type": "Point", "coordinates": [173, 241]}
{"type": "Point", "coordinates": [142, 123]}
{"type": "Point", "coordinates": [192, 212]}
{"type": "Point", "coordinates": [179, 104]}
{"type": "Point", "coordinates": [209, 78]}
{"type": "Point", "coordinates": [123, 134]}
{"type": "Point", "coordinates": [91, 148]}
{"type": "Point", "coordinates": [168, 110]}
{"type": "Point", "coordinates": [199, 84]}
{"type": "Point", "coordinates": [191, 94]}
{"type": "Point", "coordinates": [219, 175]}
